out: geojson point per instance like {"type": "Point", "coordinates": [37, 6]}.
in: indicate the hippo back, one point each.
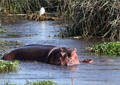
{"type": "Point", "coordinates": [30, 52]}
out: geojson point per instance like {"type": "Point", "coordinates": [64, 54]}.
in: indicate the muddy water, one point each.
{"type": "Point", "coordinates": [45, 32]}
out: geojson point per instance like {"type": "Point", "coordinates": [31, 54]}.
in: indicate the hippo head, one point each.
{"type": "Point", "coordinates": [64, 57]}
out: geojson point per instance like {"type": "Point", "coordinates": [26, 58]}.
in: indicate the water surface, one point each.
{"type": "Point", "coordinates": [45, 32]}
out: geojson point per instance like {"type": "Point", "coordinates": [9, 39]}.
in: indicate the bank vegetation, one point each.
{"type": "Point", "coordinates": [84, 18]}
{"type": "Point", "coordinates": [107, 48]}
{"type": "Point", "coordinates": [93, 18]}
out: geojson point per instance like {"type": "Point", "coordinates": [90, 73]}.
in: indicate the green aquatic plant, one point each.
{"type": "Point", "coordinates": [9, 83]}
{"type": "Point", "coordinates": [6, 66]}
{"type": "Point", "coordinates": [3, 30]}
{"type": "Point", "coordinates": [41, 83]}
{"type": "Point", "coordinates": [36, 83]}
{"type": "Point", "coordinates": [107, 48]}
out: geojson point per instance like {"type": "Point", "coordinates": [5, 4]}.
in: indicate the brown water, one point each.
{"type": "Point", "coordinates": [44, 32]}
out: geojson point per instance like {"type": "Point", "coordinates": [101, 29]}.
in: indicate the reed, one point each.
{"type": "Point", "coordinates": [93, 18]}
{"type": "Point", "coordinates": [20, 6]}
{"type": "Point", "coordinates": [30, 6]}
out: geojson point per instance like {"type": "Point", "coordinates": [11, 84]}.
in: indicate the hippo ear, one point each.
{"type": "Point", "coordinates": [61, 50]}
{"type": "Point", "coordinates": [74, 51]}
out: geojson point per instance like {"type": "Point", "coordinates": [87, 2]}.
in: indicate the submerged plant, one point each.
{"type": "Point", "coordinates": [6, 66]}
{"type": "Point", "coordinates": [107, 48]}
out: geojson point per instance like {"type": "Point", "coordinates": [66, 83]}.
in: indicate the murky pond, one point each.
{"type": "Point", "coordinates": [45, 32]}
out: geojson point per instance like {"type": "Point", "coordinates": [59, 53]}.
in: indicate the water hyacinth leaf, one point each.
{"type": "Point", "coordinates": [6, 66]}
{"type": "Point", "coordinates": [41, 83]}
{"type": "Point", "coordinates": [107, 48]}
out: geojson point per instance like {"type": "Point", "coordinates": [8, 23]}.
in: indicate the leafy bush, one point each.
{"type": "Point", "coordinates": [6, 66]}
{"type": "Point", "coordinates": [107, 48]}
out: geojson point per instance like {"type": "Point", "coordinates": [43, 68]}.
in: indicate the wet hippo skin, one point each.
{"type": "Point", "coordinates": [44, 53]}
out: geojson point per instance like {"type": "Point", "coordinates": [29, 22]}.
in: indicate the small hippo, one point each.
{"type": "Point", "coordinates": [44, 53]}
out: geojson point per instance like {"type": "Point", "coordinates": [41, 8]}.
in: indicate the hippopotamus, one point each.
{"type": "Point", "coordinates": [45, 53]}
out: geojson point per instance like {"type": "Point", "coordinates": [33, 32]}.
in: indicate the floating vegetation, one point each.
{"type": "Point", "coordinates": [36, 83]}
{"type": "Point", "coordinates": [6, 66]}
{"type": "Point", "coordinates": [107, 48]}
{"type": "Point", "coordinates": [41, 83]}
{"type": "Point", "coordinates": [40, 18]}
{"type": "Point", "coordinates": [3, 30]}
{"type": "Point", "coordinates": [9, 83]}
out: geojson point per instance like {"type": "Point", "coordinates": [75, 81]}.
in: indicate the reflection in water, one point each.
{"type": "Point", "coordinates": [43, 28]}
{"type": "Point", "coordinates": [98, 73]}
{"type": "Point", "coordinates": [43, 24]}
{"type": "Point", "coordinates": [0, 23]}
{"type": "Point", "coordinates": [72, 81]}
{"type": "Point", "coordinates": [73, 68]}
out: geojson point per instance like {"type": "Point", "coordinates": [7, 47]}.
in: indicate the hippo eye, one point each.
{"type": "Point", "coordinates": [63, 54]}
{"type": "Point", "coordinates": [68, 54]}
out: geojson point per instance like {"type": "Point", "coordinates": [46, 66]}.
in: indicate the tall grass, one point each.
{"type": "Point", "coordinates": [30, 6]}
{"type": "Point", "coordinates": [89, 18]}
{"type": "Point", "coordinates": [20, 6]}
